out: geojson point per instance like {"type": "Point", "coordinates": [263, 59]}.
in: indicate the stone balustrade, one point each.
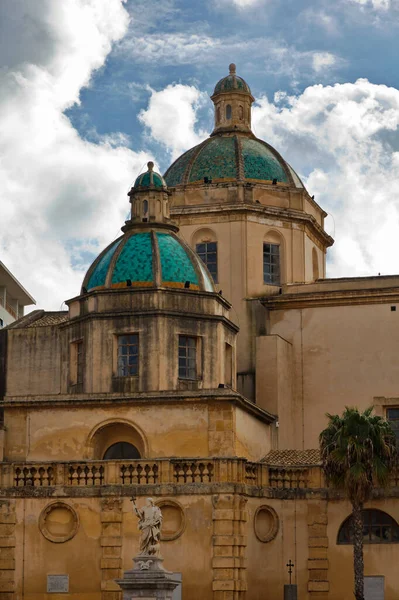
{"type": "Point", "coordinates": [175, 471]}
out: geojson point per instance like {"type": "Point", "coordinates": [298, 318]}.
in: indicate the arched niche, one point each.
{"type": "Point", "coordinates": [204, 234]}
{"type": "Point", "coordinates": [228, 112]}
{"type": "Point", "coordinates": [275, 238]}
{"type": "Point", "coordinates": [107, 434]}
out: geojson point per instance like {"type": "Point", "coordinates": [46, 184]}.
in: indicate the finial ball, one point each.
{"type": "Point", "coordinates": [232, 68]}
{"type": "Point", "coordinates": [150, 165]}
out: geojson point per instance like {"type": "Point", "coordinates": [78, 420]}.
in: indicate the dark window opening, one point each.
{"type": "Point", "coordinates": [271, 263]}
{"type": "Point", "coordinates": [228, 111]}
{"type": "Point", "coordinates": [378, 528]}
{"type": "Point", "coordinates": [121, 450]}
{"type": "Point", "coordinates": [128, 355]}
{"type": "Point", "coordinates": [187, 357]}
{"type": "Point", "coordinates": [208, 253]}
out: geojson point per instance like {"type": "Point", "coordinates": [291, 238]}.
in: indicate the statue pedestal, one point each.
{"type": "Point", "coordinates": [148, 580]}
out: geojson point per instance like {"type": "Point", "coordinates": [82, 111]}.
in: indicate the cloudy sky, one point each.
{"type": "Point", "coordinates": [92, 89]}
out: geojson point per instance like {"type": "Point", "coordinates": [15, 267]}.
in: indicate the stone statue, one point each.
{"type": "Point", "coordinates": [150, 523]}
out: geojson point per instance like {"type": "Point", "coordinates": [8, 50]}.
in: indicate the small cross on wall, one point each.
{"type": "Point", "coordinates": [290, 564]}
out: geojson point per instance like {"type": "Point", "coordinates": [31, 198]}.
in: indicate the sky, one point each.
{"type": "Point", "coordinates": [90, 90]}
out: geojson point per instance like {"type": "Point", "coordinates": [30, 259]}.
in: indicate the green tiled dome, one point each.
{"type": "Point", "coordinates": [132, 261]}
{"type": "Point", "coordinates": [150, 179]}
{"type": "Point", "coordinates": [232, 83]}
{"type": "Point", "coordinates": [231, 158]}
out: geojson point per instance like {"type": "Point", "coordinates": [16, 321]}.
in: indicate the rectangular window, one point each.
{"type": "Point", "coordinates": [77, 363]}
{"type": "Point", "coordinates": [271, 263]}
{"type": "Point", "coordinates": [393, 418]}
{"type": "Point", "coordinates": [128, 355]}
{"type": "Point", "coordinates": [208, 253]}
{"type": "Point", "coordinates": [187, 357]}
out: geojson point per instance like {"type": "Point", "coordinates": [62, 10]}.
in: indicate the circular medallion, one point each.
{"type": "Point", "coordinates": [173, 519]}
{"type": "Point", "coordinates": [58, 522]}
{"type": "Point", "coordinates": [266, 523]}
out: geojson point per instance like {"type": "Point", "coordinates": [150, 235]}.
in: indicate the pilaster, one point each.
{"type": "Point", "coordinates": [111, 548]}
{"type": "Point", "coordinates": [318, 582]}
{"type": "Point", "coordinates": [7, 550]}
{"type": "Point", "coordinates": [229, 544]}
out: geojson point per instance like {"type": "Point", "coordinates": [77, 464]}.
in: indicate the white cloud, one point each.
{"type": "Point", "coordinates": [323, 60]}
{"type": "Point", "coordinates": [62, 196]}
{"type": "Point", "coordinates": [171, 117]}
{"type": "Point", "coordinates": [165, 49]}
{"type": "Point", "coordinates": [382, 5]}
{"type": "Point", "coordinates": [346, 138]}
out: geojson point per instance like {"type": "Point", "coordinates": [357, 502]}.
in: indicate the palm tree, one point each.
{"type": "Point", "coordinates": [357, 450]}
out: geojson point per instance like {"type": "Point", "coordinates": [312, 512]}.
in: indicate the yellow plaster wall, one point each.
{"type": "Point", "coordinates": [342, 356]}
{"type": "Point", "coordinates": [36, 557]}
{"type": "Point", "coordinates": [379, 559]}
{"type": "Point", "coordinates": [253, 438]}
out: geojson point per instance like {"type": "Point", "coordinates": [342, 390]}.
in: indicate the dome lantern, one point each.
{"type": "Point", "coordinates": [233, 100]}
{"type": "Point", "coordinates": [149, 200]}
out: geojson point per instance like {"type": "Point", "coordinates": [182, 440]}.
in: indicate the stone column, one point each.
{"type": "Point", "coordinates": [148, 580]}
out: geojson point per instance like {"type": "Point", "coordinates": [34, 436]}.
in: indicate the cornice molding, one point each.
{"type": "Point", "coordinates": [256, 210]}
{"type": "Point", "coordinates": [331, 298]}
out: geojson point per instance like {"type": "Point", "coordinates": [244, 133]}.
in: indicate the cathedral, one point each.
{"type": "Point", "coordinates": [196, 367]}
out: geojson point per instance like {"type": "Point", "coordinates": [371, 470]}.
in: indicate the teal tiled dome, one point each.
{"type": "Point", "coordinates": [231, 158]}
{"type": "Point", "coordinates": [150, 178]}
{"type": "Point", "coordinates": [232, 83]}
{"type": "Point", "coordinates": [149, 258]}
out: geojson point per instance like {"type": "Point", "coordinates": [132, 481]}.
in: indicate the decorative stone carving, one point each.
{"type": "Point", "coordinates": [173, 519]}
{"type": "Point", "coordinates": [266, 523]}
{"type": "Point", "coordinates": [58, 522]}
{"type": "Point", "coordinates": [150, 523]}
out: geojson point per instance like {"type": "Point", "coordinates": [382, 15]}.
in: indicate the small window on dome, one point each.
{"type": "Point", "coordinates": [228, 112]}
{"type": "Point", "coordinates": [145, 210]}
{"type": "Point", "coordinates": [240, 113]}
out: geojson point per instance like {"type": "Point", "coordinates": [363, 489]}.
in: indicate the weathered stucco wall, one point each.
{"type": "Point", "coordinates": [342, 356]}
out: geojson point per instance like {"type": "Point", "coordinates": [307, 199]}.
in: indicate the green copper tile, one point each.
{"type": "Point", "coordinates": [231, 83]}
{"type": "Point", "coordinates": [215, 160]}
{"type": "Point", "coordinates": [175, 174]}
{"type": "Point", "coordinates": [176, 264]}
{"type": "Point", "coordinates": [260, 162]}
{"type": "Point", "coordinates": [135, 260]}
{"type": "Point", "coordinates": [99, 274]}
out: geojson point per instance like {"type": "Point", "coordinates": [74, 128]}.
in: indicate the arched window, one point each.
{"type": "Point", "coordinates": [121, 450]}
{"type": "Point", "coordinates": [205, 243]}
{"type": "Point", "coordinates": [378, 528]}
{"type": "Point", "coordinates": [228, 111]}
{"type": "Point", "coordinates": [240, 112]}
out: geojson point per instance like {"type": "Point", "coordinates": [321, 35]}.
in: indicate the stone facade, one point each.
{"type": "Point", "coordinates": [216, 391]}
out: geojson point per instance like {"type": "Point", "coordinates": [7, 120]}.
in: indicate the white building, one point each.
{"type": "Point", "coordinates": [13, 297]}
